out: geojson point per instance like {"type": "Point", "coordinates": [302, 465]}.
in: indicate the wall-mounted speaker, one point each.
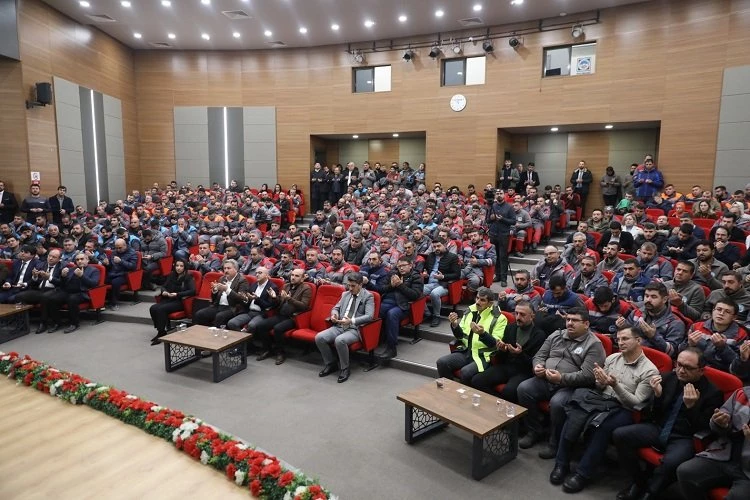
{"type": "Point", "coordinates": [44, 93]}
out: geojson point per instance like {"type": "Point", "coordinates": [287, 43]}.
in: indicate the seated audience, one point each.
{"type": "Point", "coordinates": [441, 267]}
{"type": "Point", "coordinates": [404, 286]}
{"type": "Point", "coordinates": [508, 298]}
{"type": "Point", "coordinates": [228, 298]}
{"type": "Point", "coordinates": [552, 264]}
{"type": "Point", "coordinates": [685, 293]}
{"type": "Point", "coordinates": [718, 338]}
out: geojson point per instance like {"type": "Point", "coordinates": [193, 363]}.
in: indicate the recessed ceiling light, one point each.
{"type": "Point", "coordinates": [439, 13]}
{"type": "Point", "coordinates": [236, 34]}
{"type": "Point", "coordinates": [335, 27]}
{"type": "Point", "coordinates": [516, 2]}
{"type": "Point", "coordinates": [395, 135]}
{"type": "Point", "coordinates": [85, 5]}
{"type": "Point", "coordinates": [608, 126]}
{"type": "Point", "coordinates": [171, 36]}
{"type": "Point", "coordinates": [563, 14]}
{"type": "Point", "coordinates": [402, 18]}
{"type": "Point", "coordinates": [477, 7]}
{"type": "Point", "coordinates": [554, 129]}
{"type": "Point", "coordinates": [166, 3]}
{"type": "Point", "coordinates": [369, 23]}
{"type": "Point", "coordinates": [303, 30]}
{"type": "Point", "coordinates": [268, 33]}
{"type": "Point", "coordinates": [355, 136]}
{"type": "Point", "coordinates": [206, 2]}
{"type": "Point", "coordinates": [138, 35]}
{"type": "Point", "coordinates": [206, 36]}
{"type": "Point", "coordinates": [125, 3]}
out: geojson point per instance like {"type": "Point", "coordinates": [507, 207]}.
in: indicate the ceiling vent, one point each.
{"type": "Point", "coordinates": [471, 21]}
{"type": "Point", "coordinates": [101, 18]}
{"type": "Point", "coordinates": [237, 15]}
{"type": "Point", "coordinates": [160, 45]}
{"type": "Point", "coordinates": [276, 44]}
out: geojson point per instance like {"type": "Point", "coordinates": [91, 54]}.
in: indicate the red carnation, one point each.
{"type": "Point", "coordinates": [314, 489]}
{"type": "Point", "coordinates": [256, 488]}
{"type": "Point", "coordinates": [286, 478]}
{"type": "Point", "coordinates": [231, 469]}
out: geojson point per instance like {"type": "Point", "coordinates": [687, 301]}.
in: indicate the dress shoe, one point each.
{"type": "Point", "coordinates": [263, 355]}
{"type": "Point", "coordinates": [71, 329]}
{"type": "Point", "coordinates": [529, 440]}
{"type": "Point", "coordinates": [53, 328]}
{"type": "Point", "coordinates": [574, 483]}
{"type": "Point", "coordinates": [632, 492]}
{"type": "Point", "coordinates": [557, 476]}
{"type": "Point", "coordinates": [548, 452]}
{"type": "Point", "coordinates": [155, 341]}
{"type": "Point", "coordinates": [435, 321]}
{"type": "Point", "coordinates": [280, 358]}
{"type": "Point", "coordinates": [327, 370]}
{"type": "Point", "coordinates": [41, 328]}
{"type": "Point", "coordinates": [343, 375]}
{"type": "Point", "coordinates": [380, 351]}
{"type": "Point", "coordinates": [388, 354]}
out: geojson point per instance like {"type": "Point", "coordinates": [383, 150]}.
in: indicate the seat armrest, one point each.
{"type": "Point", "coordinates": [417, 310]}
{"type": "Point", "coordinates": [370, 334]}
{"type": "Point", "coordinates": [701, 440]}
{"type": "Point", "coordinates": [97, 296]}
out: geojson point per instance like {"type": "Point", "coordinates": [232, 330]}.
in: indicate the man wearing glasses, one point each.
{"type": "Point", "coordinates": [76, 283]}
{"type": "Point", "coordinates": [565, 362]}
{"type": "Point", "coordinates": [720, 337]}
{"type": "Point", "coordinates": [551, 264]}
{"type": "Point", "coordinates": [402, 287]}
{"type": "Point", "coordinates": [684, 400]}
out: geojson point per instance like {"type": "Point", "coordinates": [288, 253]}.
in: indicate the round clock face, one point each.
{"type": "Point", "coordinates": [458, 102]}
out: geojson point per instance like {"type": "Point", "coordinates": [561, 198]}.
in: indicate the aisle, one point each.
{"type": "Point", "coordinates": [52, 449]}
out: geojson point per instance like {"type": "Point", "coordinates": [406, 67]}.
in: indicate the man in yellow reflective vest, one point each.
{"type": "Point", "coordinates": [477, 333]}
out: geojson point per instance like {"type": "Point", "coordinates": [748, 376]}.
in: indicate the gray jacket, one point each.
{"type": "Point", "coordinates": [693, 298]}
{"type": "Point", "coordinates": [156, 248]}
{"type": "Point", "coordinates": [573, 358]}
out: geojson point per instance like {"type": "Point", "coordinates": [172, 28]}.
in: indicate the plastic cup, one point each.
{"type": "Point", "coordinates": [510, 410]}
{"type": "Point", "coordinates": [440, 383]}
{"type": "Point", "coordinates": [475, 399]}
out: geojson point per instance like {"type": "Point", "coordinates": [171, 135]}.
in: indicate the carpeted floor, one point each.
{"type": "Point", "coordinates": [350, 436]}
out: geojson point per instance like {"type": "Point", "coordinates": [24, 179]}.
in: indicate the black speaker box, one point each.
{"type": "Point", "coordinates": [44, 93]}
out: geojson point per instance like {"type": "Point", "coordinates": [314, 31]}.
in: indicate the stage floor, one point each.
{"type": "Point", "coordinates": [52, 449]}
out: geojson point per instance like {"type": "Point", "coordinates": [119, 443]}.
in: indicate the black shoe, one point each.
{"type": "Point", "coordinates": [548, 452]}
{"type": "Point", "coordinates": [632, 492]}
{"type": "Point", "coordinates": [380, 351]}
{"type": "Point", "coordinates": [41, 328]}
{"type": "Point", "coordinates": [280, 358]}
{"type": "Point", "coordinates": [155, 341]}
{"type": "Point", "coordinates": [343, 375]}
{"type": "Point", "coordinates": [503, 283]}
{"type": "Point", "coordinates": [557, 476]}
{"type": "Point", "coordinates": [519, 255]}
{"type": "Point", "coordinates": [435, 321]}
{"type": "Point", "coordinates": [263, 355]}
{"type": "Point", "coordinates": [574, 483]}
{"type": "Point", "coordinates": [529, 440]}
{"type": "Point", "coordinates": [53, 328]}
{"type": "Point", "coordinates": [327, 370]}
{"type": "Point", "coordinates": [71, 329]}
{"type": "Point", "coordinates": [388, 354]}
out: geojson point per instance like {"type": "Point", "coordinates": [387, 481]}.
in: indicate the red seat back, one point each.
{"type": "Point", "coordinates": [725, 382]}
{"type": "Point", "coordinates": [250, 279]}
{"type": "Point", "coordinates": [606, 343]}
{"type": "Point", "coordinates": [609, 275]}
{"type": "Point", "coordinates": [326, 298]}
{"type": "Point", "coordinates": [204, 292]}
{"type": "Point", "coordinates": [661, 360]}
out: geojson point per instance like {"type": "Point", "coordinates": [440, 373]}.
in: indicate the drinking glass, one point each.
{"type": "Point", "coordinates": [475, 399]}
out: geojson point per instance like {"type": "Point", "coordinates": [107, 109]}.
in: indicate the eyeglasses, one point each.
{"type": "Point", "coordinates": [680, 366]}
{"type": "Point", "coordinates": [573, 320]}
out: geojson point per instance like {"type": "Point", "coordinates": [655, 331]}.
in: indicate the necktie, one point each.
{"type": "Point", "coordinates": [22, 274]}
{"type": "Point", "coordinates": [350, 309]}
{"type": "Point", "coordinates": [666, 430]}
{"type": "Point", "coordinates": [529, 181]}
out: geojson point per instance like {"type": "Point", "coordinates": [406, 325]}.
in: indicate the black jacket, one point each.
{"type": "Point", "coordinates": [407, 292]}
{"type": "Point", "coordinates": [55, 206]}
{"type": "Point", "coordinates": [626, 241]}
{"type": "Point", "coordinates": [184, 287]}
{"type": "Point", "coordinates": [448, 267]}
{"type": "Point", "coordinates": [522, 362]}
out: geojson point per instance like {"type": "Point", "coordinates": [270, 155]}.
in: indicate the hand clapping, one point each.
{"type": "Point", "coordinates": [720, 418]}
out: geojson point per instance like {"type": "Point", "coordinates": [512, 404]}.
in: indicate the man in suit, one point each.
{"type": "Point", "coordinates": [8, 205]}
{"type": "Point", "coordinates": [581, 180]}
{"type": "Point", "coordinates": [74, 289]}
{"type": "Point", "coordinates": [60, 205]}
{"type": "Point", "coordinates": [440, 268]}
{"type": "Point", "coordinates": [403, 287]}
{"type": "Point", "coordinates": [228, 297]}
{"type": "Point", "coordinates": [20, 276]}
{"type": "Point", "coordinates": [356, 307]}
{"type": "Point", "coordinates": [45, 280]}
{"type": "Point", "coordinates": [615, 234]}
{"type": "Point", "coordinates": [259, 298]}
{"type": "Point", "coordinates": [684, 402]}
{"type": "Point", "coordinates": [123, 260]}
{"type": "Point", "coordinates": [529, 178]}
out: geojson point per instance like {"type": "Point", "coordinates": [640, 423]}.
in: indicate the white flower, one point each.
{"type": "Point", "coordinates": [102, 388]}
{"type": "Point", "coordinates": [204, 457]}
{"type": "Point", "coordinates": [241, 446]}
{"type": "Point", "coordinates": [175, 435]}
{"type": "Point", "coordinates": [54, 370]}
{"type": "Point", "coordinates": [267, 461]}
{"type": "Point", "coordinates": [239, 477]}
{"type": "Point", "coordinates": [25, 361]}
{"type": "Point", "coordinates": [130, 396]}
{"type": "Point", "coordinates": [72, 400]}
{"type": "Point", "coordinates": [5, 358]}
{"type": "Point", "coordinates": [333, 497]}
{"type": "Point", "coordinates": [91, 384]}
{"type": "Point", "coordinates": [156, 408]}
{"type": "Point", "coordinates": [59, 383]}
{"type": "Point", "coordinates": [288, 495]}
{"type": "Point", "coordinates": [300, 490]}
{"type": "Point", "coordinates": [52, 390]}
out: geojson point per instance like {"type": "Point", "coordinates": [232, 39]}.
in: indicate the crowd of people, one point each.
{"type": "Point", "coordinates": [638, 270]}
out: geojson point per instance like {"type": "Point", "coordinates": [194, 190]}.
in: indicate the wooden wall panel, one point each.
{"type": "Point", "coordinates": [14, 154]}
{"type": "Point", "coordinates": [593, 148]}
{"type": "Point", "coordinates": [384, 150]}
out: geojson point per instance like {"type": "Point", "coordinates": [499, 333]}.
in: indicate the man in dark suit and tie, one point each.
{"type": "Point", "coordinates": [530, 178]}
{"type": "Point", "coordinates": [260, 297]}
{"type": "Point", "coordinates": [227, 297]}
{"type": "Point", "coordinates": [8, 205]}
{"type": "Point", "coordinates": [76, 283]}
{"type": "Point", "coordinates": [45, 281]}
{"type": "Point", "coordinates": [20, 276]}
{"type": "Point", "coordinates": [356, 307]}
{"type": "Point", "coordinates": [123, 260]}
{"type": "Point", "coordinates": [60, 205]}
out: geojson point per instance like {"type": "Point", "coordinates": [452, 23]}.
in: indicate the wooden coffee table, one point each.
{"type": "Point", "coordinates": [14, 321]}
{"type": "Point", "coordinates": [429, 409]}
{"type": "Point", "coordinates": [184, 347]}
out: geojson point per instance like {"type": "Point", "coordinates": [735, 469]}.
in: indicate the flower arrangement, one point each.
{"type": "Point", "coordinates": [256, 470]}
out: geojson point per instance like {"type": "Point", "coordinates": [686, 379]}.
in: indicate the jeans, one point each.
{"type": "Point", "coordinates": [392, 315]}
{"type": "Point", "coordinates": [435, 291]}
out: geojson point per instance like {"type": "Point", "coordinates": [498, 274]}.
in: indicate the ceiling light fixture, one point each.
{"type": "Point", "coordinates": [125, 4]}
{"type": "Point", "coordinates": [236, 34]}
{"type": "Point", "coordinates": [402, 18]}
{"type": "Point", "coordinates": [335, 27]}
{"type": "Point", "coordinates": [434, 52]}
{"type": "Point", "coordinates": [166, 3]}
{"type": "Point", "coordinates": [609, 126]}
{"type": "Point", "coordinates": [355, 136]}
{"type": "Point", "coordinates": [206, 36]}
{"type": "Point", "coordinates": [171, 36]}
{"type": "Point", "coordinates": [516, 2]}
{"type": "Point", "coordinates": [554, 129]}
{"type": "Point", "coordinates": [369, 23]}
{"type": "Point", "coordinates": [456, 48]}
{"type": "Point", "coordinates": [577, 31]}
{"type": "Point", "coordinates": [206, 2]}
{"type": "Point", "coordinates": [268, 33]}
{"type": "Point", "coordinates": [303, 30]}
{"type": "Point", "coordinates": [137, 35]}
{"type": "Point", "coordinates": [439, 13]}
{"type": "Point", "coordinates": [395, 135]}
{"type": "Point", "coordinates": [488, 47]}
{"type": "Point", "coordinates": [477, 7]}
{"type": "Point", "coordinates": [408, 55]}
{"type": "Point", "coordinates": [514, 42]}
{"type": "Point", "coordinates": [85, 5]}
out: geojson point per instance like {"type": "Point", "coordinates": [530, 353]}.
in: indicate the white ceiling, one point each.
{"type": "Point", "coordinates": [189, 19]}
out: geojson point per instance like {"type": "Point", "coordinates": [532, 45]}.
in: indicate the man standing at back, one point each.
{"type": "Point", "coordinates": [500, 218]}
